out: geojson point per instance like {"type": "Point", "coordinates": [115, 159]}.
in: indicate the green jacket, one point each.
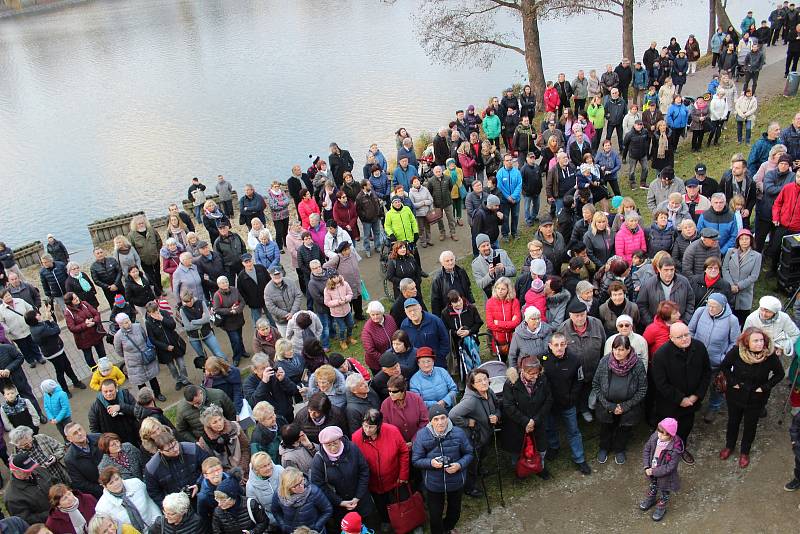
{"type": "Point", "coordinates": [440, 191]}
{"type": "Point", "coordinates": [491, 126]}
{"type": "Point", "coordinates": [597, 115]}
{"type": "Point", "coordinates": [148, 246]}
{"type": "Point", "coordinates": [187, 418]}
{"type": "Point", "coordinates": [401, 224]}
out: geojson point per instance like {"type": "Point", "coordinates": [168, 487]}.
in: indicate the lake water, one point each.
{"type": "Point", "coordinates": [112, 106]}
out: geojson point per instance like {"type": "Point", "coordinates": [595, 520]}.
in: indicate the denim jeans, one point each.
{"type": "Point", "coordinates": [530, 207]}
{"type": "Point", "coordinates": [258, 313]}
{"type": "Point", "coordinates": [375, 230]}
{"type": "Point", "coordinates": [198, 214]}
{"type": "Point", "coordinates": [177, 368]}
{"type": "Point", "coordinates": [210, 342]}
{"type": "Point", "coordinates": [344, 323]}
{"type": "Point", "coordinates": [570, 420]}
{"type": "Point", "coordinates": [235, 337]}
{"type": "Point", "coordinates": [510, 211]}
{"type": "Point", "coordinates": [328, 329]}
{"type": "Point", "coordinates": [748, 126]}
{"type": "Point", "coordinates": [715, 398]}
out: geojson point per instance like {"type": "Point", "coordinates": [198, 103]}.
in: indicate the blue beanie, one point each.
{"type": "Point", "coordinates": [719, 298]}
{"type": "Point", "coordinates": [231, 486]}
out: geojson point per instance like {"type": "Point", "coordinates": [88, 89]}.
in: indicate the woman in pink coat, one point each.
{"type": "Point", "coordinates": [338, 295]}
{"type": "Point", "coordinates": [630, 237]}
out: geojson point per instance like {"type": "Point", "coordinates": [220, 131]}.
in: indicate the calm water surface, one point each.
{"type": "Point", "coordinates": [114, 105]}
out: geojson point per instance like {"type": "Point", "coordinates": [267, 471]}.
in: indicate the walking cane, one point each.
{"type": "Point", "coordinates": [483, 482]}
{"type": "Point", "coordinates": [791, 389]}
{"type": "Point", "coordinates": [499, 473]}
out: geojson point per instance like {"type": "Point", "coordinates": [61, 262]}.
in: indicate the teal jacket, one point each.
{"type": "Point", "coordinates": [491, 126]}
{"type": "Point", "coordinates": [56, 405]}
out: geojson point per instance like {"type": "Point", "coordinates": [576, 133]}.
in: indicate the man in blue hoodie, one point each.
{"type": "Point", "coordinates": [509, 185]}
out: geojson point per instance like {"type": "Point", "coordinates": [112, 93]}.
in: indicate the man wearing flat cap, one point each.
{"type": "Point", "coordinates": [490, 264]}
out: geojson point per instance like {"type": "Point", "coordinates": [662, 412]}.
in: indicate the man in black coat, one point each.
{"type": "Point", "coordinates": [561, 366]}
{"type": "Point", "coordinates": [209, 267]}
{"type": "Point", "coordinates": [487, 220]}
{"type": "Point", "coordinates": [251, 282]}
{"type": "Point", "coordinates": [229, 246]}
{"type": "Point", "coordinates": [340, 162]}
{"type": "Point", "coordinates": [680, 373]}
{"type": "Point", "coordinates": [625, 74]}
{"type": "Point", "coordinates": [450, 276]}
{"type": "Point", "coordinates": [81, 459]}
{"type": "Point", "coordinates": [175, 467]}
{"type": "Point", "coordinates": [113, 411]}
{"type": "Point", "coordinates": [107, 275]}
{"type": "Point", "coordinates": [271, 385]}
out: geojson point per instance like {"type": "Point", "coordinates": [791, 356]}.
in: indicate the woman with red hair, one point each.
{"type": "Point", "coordinates": [657, 332]}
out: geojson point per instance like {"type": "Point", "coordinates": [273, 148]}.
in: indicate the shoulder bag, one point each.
{"type": "Point", "coordinates": [149, 352]}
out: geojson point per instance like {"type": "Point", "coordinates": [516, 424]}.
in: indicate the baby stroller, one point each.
{"type": "Point", "coordinates": [468, 357]}
{"type": "Point", "coordinates": [497, 376]}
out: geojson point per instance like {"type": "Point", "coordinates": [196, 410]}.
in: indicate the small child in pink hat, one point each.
{"type": "Point", "coordinates": [662, 454]}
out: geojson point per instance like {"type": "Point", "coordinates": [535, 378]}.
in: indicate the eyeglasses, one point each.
{"type": "Point", "coordinates": [624, 325]}
{"type": "Point", "coordinates": [394, 391]}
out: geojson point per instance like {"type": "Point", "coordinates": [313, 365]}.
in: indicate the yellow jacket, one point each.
{"type": "Point", "coordinates": [116, 375]}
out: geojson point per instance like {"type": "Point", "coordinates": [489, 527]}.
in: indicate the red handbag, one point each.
{"type": "Point", "coordinates": [530, 461]}
{"type": "Point", "coordinates": [407, 515]}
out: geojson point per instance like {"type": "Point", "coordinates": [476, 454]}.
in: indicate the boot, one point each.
{"type": "Point", "coordinates": [648, 502]}
{"type": "Point", "coordinates": [79, 385]}
{"type": "Point", "coordinates": [660, 511]}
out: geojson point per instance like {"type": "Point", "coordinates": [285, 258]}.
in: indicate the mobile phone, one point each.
{"type": "Point", "coordinates": [496, 260]}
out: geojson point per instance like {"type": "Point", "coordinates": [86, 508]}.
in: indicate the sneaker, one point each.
{"type": "Point", "coordinates": [79, 385]}
{"type": "Point", "coordinates": [602, 456]}
{"type": "Point", "coordinates": [792, 485]}
{"type": "Point", "coordinates": [647, 503]}
{"type": "Point", "coordinates": [688, 458]}
{"type": "Point", "coordinates": [584, 468]}
{"type": "Point", "coordinates": [368, 253]}
{"type": "Point", "coordinates": [620, 458]}
{"type": "Point", "coordinates": [587, 416]}
{"type": "Point", "coordinates": [551, 455]}
{"type": "Point", "coordinates": [725, 453]}
{"type": "Point", "coordinates": [660, 511]}
{"type": "Point", "coordinates": [544, 474]}
{"type": "Point", "coordinates": [161, 398]}
{"type": "Point", "coordinates": [643, 187]}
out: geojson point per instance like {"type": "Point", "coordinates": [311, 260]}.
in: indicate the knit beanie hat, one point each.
{"type": "Point", "coordinates": [104, 365]}
{"type": "Point", "coordinates": [436, 409]}
{"type": "Point", "coordinates": [119, 301]}
{"type": "Point", "coordinates": [351, 523]}
{"type": "Point", "coordinates": [669, 425]}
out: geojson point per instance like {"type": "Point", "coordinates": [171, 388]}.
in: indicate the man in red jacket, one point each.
{"type": "Point", "coordinates": [785, 217]}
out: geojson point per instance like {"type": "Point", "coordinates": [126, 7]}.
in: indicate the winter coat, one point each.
{"type": "Point", "coordinates": [524, 342]}
{"type": "Point", "coordinates": [555, 250]}
{"type": "Point", "coordinates": [278, 393]}
{"type": "Point", "coordinates": [124, 424]}
{"type": "Point", "coordinates": [410, 419]}
{"type": "Point", "coordinates": [134, 458]}
{"type": "Point", "coordinates": [336, 417]}
{"type": "Point", "coordinates": [297, 336]}
{"type": "Point", "coordinates": [131, 345]}
{"type": "Point", "coordinates": [190, 524]}
{"type": "Point", "coordinates": [632, 404]}
{"type": "Point", "coordinates": [137, 493]}
{"type": "Point", "coordinates": [440, 188]}
{"type": "Point", "coordinates": [786, 209]}
{"type": "Point", "coordinates": [656, 334]}
{"type": "Point", "coordinates": [127, 259]}
{"type": "Point", "coordinates": [338, 299]}
{"type": "Point", "coordinates": [343, 479]}
{"type": "Point", "coordinates": [588, 345]}
{"type": "Point", "coordinates": [53, 280]}
{"type": "Point", "coordinates": [163, 475]}
{"type": "Point", "coordinates": [626, 242]}
{"type": "Point", "coordinates": [263, 490]}
{"type": "Point", "coordinates": [562, 376]}
{"type": "Point", "coordinates": [85, 336]}
{"type": "Point", "coordinates": [695, 256]}
{"type": "Point", "coordinates": [702, 290]}
{"type": "Point", "coordinates": [599, 246]}
{"type": "Point", "coordinates": [253, 291]}
{"type": "Point", "coordinates": [27, 499]}
{"type": "Point", "coordinates": [772, 185]}
{"type": "Point", "coordinates": [403, 267]}
{"type": "Point", "coordinates": [723, 222]}
{"type": "Point", "coordinates": [760, 152]}
{"type": "Point", "coordinates": [187, 418]}
{"type": "Point", "coordinates": [609, 318]}
{"type": "Point", "coordinates": [147, 245]}
{"type": "Point", "coordinates": [82, 466]}
{"type": "Point", "coordinates": [222, 302]}
{"type": "Point", "coordinates": [742, 271]}
{"type": "Point", "coordinates": [230, 384]}
{"type": "Point", "coordinates": [56, 405]}
{"type": "Point", "coordinates": [313, 511]}
{"type": "Point", "coordinates": [651, 293]}
{"type": "Point", "coordinates": [677, 116]}
{"type": "Point", "coordinates": [267, 255]}
{"type": "Point", "coordinates": [443, 282]}
{"type": "Point", "coordinates": [401, 225]}
{"type": "Point", "coordinates": [434, 387]}
{"type": "Point", "coordinates": [666, 470]}
{"type": "Point", "coordinates": [187, 279]}
{"type": "Point", "coordinates": [282, 300]}
{"type": "Point", "coordinates": [520, 406]}
{"type": "Point", "coordinates": [677, 373]}
{"type": "Point", "coordinates": [429, 333]}
{"type": "Point", "coordinates": [718, 334]}
{"type": "Point", "coordinates": [422, 200]}
{"type": "Point", "coordinates": [454, 444]}
{"type": "Point", "coordinates": [376, 339]}
{"type": "Point", "coordinates": [660, 239]}
{"type": "Point", "coordinates": [508, 316]}
{"type": "Point", "coordinates": [139, 294]}
{"type": "Point", "coordinates": [237, 519]}
{"type": "Point", "coordinates": [480, 269]}
{"type": "Point", "coordinates": [388, 457]}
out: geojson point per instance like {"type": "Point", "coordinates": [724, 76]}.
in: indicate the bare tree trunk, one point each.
{"type": "Point", "coordinates": [712, 22]}
{"type": "Point", "coordinates": [533, 51]}
{"type": "Point", "coordinates": [627, 30]}
{"type": "Point", "coordinates": [722, 16]}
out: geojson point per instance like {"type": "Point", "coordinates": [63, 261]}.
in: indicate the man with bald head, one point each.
{"type": "Point", "coordinates": [681, 374]}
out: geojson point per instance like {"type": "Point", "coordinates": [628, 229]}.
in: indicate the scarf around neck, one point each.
{"type": "Point", "coordinates": [622, 368]}
{"type": "Point", "coordinates": [133, 513]}
{"type": "Point", "coordinates": [752, 358]}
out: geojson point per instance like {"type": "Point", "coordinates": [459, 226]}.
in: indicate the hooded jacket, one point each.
{"type": "Point", "coordinates": [723, 222]}
{"type": "Point", "coordinates": [786, 209]}
{"type": "Point", "coordinates": [312, 510]}
{"type": "Point", "coordinates": [454, 445]}
{"type": "Point", "coordinates": [264, 489]}
{"type": "Point", "coordinates": [524, 342]}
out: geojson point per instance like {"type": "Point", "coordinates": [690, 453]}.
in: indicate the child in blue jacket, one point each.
{"type": "Point", "coordinates": [56, 404]}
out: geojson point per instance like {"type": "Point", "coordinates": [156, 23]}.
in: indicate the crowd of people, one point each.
{"type": "Point", "coordinates": [606, 319]}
